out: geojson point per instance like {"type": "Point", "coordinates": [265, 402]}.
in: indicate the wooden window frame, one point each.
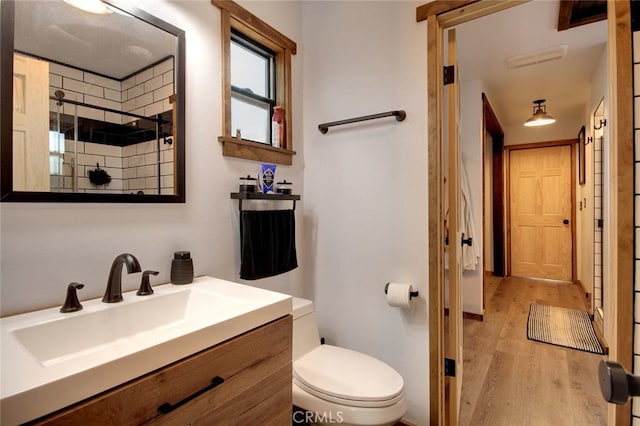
{"type": "Point", "coordinates": [241, 20]}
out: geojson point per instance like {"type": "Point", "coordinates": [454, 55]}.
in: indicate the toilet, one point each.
{"type": "Point", "coordinates": [337, 385]}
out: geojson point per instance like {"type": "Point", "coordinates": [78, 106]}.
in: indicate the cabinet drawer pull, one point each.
{"type": "Point", "coordinates": [167, 408]}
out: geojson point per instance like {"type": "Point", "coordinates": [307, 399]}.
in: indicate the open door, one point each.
{"type": "Point", "coordinates": [442, 14]}
{"type": "Point", "coordinates": [453, 228]}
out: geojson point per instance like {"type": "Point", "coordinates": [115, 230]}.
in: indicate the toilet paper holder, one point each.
{"type": "Point", "coordinates": [412, 294]}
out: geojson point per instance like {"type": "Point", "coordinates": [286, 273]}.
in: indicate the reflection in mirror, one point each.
{"type": "Point", "coordinates": [97, 105]}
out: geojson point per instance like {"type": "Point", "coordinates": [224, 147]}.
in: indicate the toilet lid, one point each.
{"type": "Point", "coordinates": [345, 374]}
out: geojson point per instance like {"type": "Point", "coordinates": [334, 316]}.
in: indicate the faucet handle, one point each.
{"type": "Point", "coordinates": [71, 302]}
{"type": "Point", "coordinates": [145, 286]}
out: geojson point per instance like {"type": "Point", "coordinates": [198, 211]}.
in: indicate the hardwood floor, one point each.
{"type": "Point", "coordinates": [510, 380]}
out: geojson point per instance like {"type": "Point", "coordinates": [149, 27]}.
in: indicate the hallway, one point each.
{"type": "Point", "coordinates": [510, 380]}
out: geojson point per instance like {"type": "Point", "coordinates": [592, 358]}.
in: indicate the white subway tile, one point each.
{"type": "Point", "coordinates": [163, 67]}
{"type": "Point", "coordinates": [129, 173]}
{"type": "Point", "coordinates": [113, 95]}
{"type": "Point", "coordinates": [136, 184]}
{"type": "Point", "coordinates": [82, 87]}
{"type": "Point", "coordinates": [636, 46]}
{"type": "Point", "coordinates": [114, 172]}
{"type": "Point", "coordinates": [105, 82]}
{"type": "Point", "coordinates": [151, 158]}
{"type": "Point", "coordinates": [128, 83]}
{"type": "Point", "coordinates": [102, 102]}
{"type": "Point", "coordinates": [153, 84]}
{"type": "Point", "coordinates": [167, 78]}
{"type": "Point", "coordinates": [146, 171]}
{"type": "Point", "coordinates": [144, 76]}
{"type": "Point", "coordinates": [103, 149]}
{"type": "Point", "coordinates": [152, 183]}
{"type": "Point", "coordinates": [144, 100]}
{"type": "Point", "coordinates": [65, 71]}
{"type": "Point", "coordinates": [146, 147]}
{"type": "Point", "coordinates": [637, 145]}
{"type": "Point", "coordinates": [153, 109]}
{"type": "Point", "coordinates": [96, 114]}
{"type": "Point", "coordinates": [636, 108]}
{"type": "Point", "coordinates": [636, 77]}
{"type": "Point", "coordinates": [129, 106]}
{"type": "Point", "coordinates": [163, 92]}
{"type": "Point", "coordinates": [113, 162]}
{"type": "Point", "coordinates": [166, 169]}
{"type": "Point", "coordinates": [55, 80]}
{"type": "Point", "coordinates": [112, 117]}
{"type": "Point", "coordinates": [90, 160]}
{"type": "Point", "coordinates": [135, 91]}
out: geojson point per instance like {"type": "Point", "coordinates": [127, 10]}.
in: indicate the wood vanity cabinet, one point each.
{"type": "Point", "coordinates": [255, 367]}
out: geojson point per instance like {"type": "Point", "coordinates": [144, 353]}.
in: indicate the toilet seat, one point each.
{"type": "Point", "coordinates": [347, 377]}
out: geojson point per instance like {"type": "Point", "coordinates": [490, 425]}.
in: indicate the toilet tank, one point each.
{"type": "Point", "coordinates": [305, 329]}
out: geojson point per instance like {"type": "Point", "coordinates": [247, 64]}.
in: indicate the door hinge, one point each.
{"type": "Point", "coordinates": [449, 367]}
{"type": "Point", "coordinates": [599, 223]}
{"type": "Point", "coordinates": [449, 74]}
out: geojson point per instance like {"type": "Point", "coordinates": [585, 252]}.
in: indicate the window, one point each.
{"type": "Point", "coordinates": [256, 75]}
{"type": "Point", "coordinates": [252, 89]}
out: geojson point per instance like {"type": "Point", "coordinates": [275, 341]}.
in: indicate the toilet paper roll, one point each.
{"type": "Point", "coordinates": [399, 295]}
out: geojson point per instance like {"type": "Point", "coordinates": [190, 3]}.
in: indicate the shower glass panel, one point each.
{"type": "Point", "coordinates": [97, 150]}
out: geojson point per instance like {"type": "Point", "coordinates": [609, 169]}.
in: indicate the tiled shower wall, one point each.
{"type": "Point", "coordinates": [132, 169]}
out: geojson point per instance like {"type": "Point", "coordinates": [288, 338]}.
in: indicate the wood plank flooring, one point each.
{"type": "Point", "coordinates": [510, 380]}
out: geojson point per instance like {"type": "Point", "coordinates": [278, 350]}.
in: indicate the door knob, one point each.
{"type": "Point", "coordinates": [566, 221]}
{"type": "Point", "coordinates": [617, 384]}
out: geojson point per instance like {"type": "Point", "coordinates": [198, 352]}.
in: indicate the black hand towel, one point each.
{"type": "Point", "coordinates": [267, 243]}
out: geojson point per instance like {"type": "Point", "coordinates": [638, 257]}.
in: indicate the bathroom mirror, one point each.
{"type": "Point", "coordinates": [92, 104]}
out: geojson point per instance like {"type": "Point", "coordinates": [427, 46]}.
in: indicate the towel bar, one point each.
{"type": "Point", "coordinates": [400, 115]}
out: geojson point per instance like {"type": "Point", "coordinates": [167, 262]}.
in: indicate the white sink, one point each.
{"type": "Point", "coordinates": [72, 336]}
{"type": "Point", "coordinates": [51, 360]}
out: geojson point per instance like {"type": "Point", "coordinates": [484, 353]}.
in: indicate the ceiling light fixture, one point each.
{"type": "Point", "coordinates": [540, 116]}
{"type": "Point", "coordinates": [97, 7]}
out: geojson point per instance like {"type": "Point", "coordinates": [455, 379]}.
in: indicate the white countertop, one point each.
{"type": "Point", "coordinates": [39, 376]}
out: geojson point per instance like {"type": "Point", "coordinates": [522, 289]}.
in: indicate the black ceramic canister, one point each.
{"type": "Point", "coordinates": [182, 268]}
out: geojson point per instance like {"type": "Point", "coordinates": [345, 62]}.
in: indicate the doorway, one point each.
{"type": "Point", "coordinates": [541, 211]}
{"type": "Point", "coordinates": [620, 74]}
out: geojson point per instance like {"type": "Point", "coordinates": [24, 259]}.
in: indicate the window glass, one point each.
{"type": "Point", "coordinates": [249, 70]}
{"type": "Point", "coordinates": [251, 118]}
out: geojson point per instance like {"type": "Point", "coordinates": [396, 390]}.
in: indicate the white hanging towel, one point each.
{"type": "Point", "coordinates": [470, 254]}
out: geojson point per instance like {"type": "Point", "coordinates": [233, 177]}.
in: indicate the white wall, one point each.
{"type": "Point", "coordinates": [585, 218]}
{"type": "Point", "coordinates": [366, 184]}
{"type": "Point", "coordinates": [45, 246]}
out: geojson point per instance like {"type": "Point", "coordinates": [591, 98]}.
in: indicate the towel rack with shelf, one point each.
{"type": "Point", "coordinates": [240, 196]}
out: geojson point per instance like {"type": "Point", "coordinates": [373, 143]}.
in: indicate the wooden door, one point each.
{"type": "Point", "coordinates": [453, 339]}
{"type": "Point", "coordinates": [30, 124]}
{"type": "Point", "coordinates": [541, 212]}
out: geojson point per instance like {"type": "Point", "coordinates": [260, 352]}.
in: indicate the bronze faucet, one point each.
{"type": "Point", "coordinates": [113, 293]}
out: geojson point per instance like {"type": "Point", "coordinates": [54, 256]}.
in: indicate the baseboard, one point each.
{"type": "Point", "coordinates": [402, 422]}
{"type": "Point", "coordinates": [468, 315]}
{"type": "Point", "coordinates": [587, 295]}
